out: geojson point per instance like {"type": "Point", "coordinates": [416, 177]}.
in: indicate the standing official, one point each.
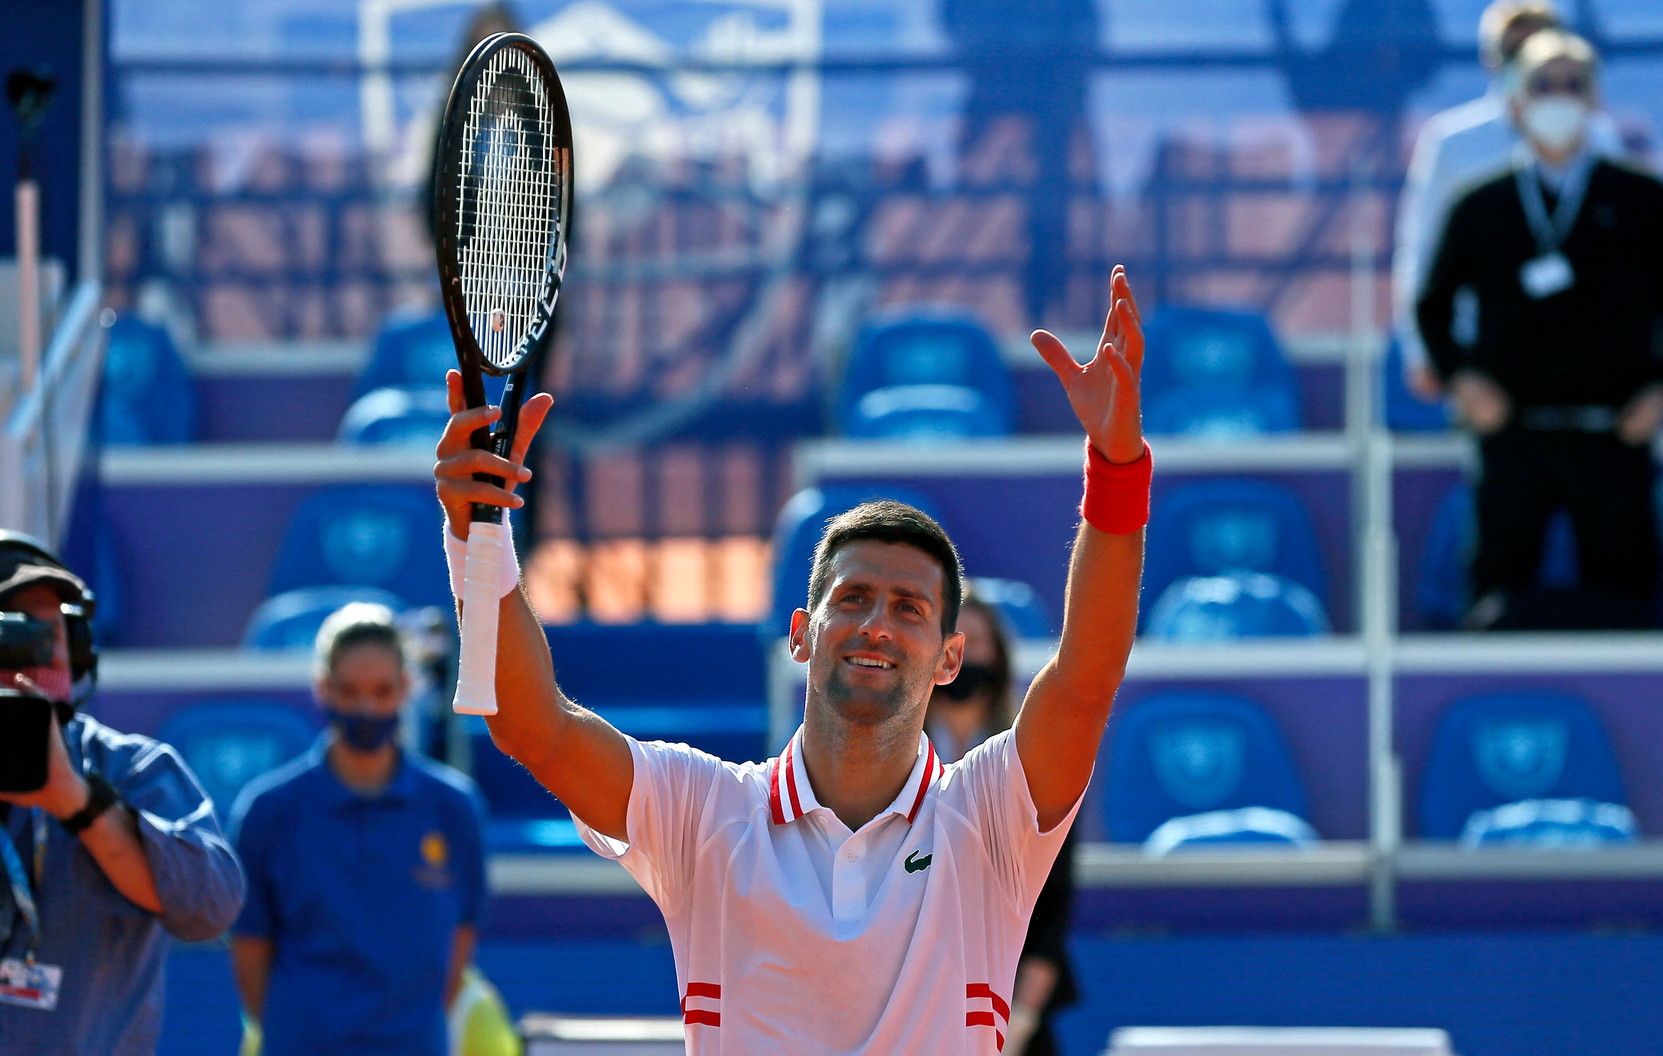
{"type": "Point", "coordinates": [366, 870]}
{"type": "Point", "coordinates": [1563, 386]}
{"type": "Point", "coordinates": [1455, 148]}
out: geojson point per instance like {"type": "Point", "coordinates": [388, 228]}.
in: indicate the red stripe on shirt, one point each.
{"type": "Point", "coordinates": [985, 1019]}
{"type": "Point", "coordinates": [976, 990]}
{"type": "Point", "coordinates": [702, 1018]}
{"type": "Point", "coordinates": [774, 791]}
{"type": "Point", "coordinates": [929, 775]}
{"type": "Point", "coordinates": [703, 990]}
{"type": "Point", "coordinates": [791, 780]}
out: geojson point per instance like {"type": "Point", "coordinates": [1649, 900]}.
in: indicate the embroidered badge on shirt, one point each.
{"type": "Point", "coordinates": [434, 871]}
{"type": "Point", "coordinates": [915, 864]}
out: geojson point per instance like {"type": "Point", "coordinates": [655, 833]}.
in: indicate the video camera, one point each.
{"type": "Point", "coordinates": [25, 717]}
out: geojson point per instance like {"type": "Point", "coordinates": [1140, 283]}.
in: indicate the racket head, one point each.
{"type": "Point", "coordinates": [502, 196]}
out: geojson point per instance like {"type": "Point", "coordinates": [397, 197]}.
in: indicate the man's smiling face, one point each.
{"type": "Point", "coordinates": [874, 644]}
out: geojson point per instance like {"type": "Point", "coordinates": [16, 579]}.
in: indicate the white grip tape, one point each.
{"type": "Point", "coordinates": [476, 668]}
{"type": "Point", "coordinates": [456, 560]}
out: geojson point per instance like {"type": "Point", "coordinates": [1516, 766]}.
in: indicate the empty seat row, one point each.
{"type": "Point", "coordinates": [1189, 770]}
{"type": "Point", "coordinates": [912, 374]}
{"type": "Point", "coordinates": [1184, 770]}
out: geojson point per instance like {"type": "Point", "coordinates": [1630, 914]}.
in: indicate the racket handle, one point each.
{"type": "Point", "coordinates": [476, 667]}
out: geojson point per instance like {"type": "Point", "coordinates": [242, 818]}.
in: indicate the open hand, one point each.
{"type": "Point", "coordinates": [458, 460]}
{"type": "Point", "coordinates": [1105, 392]}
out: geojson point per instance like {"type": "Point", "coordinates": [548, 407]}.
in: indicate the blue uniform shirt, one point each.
{"type": "Point", "coordinates": [361, 897]}
{"type": "Point", "coordinates": [110, 950]}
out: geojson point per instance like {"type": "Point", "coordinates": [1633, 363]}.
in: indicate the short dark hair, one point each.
{"type": "Point", "coordinates": [884, 521]}
{"type": "Point", "coordinates": [354, 624]}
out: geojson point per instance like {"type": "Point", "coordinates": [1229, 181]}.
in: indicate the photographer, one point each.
{"type": "Point", "coordinates": [109, 841]}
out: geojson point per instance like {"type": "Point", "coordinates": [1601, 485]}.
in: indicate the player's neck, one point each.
{"type": "Point", "coordinates": [857, 772]}
{"type": "Point", "coordinates": [366, 773]}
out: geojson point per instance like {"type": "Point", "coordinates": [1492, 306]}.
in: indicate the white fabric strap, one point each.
{"type": "Point", "coordinates": [456, 560]}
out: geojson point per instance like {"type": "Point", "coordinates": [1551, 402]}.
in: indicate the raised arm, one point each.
{"type": "Point", "coordinates": [1062, 720]}
{"type": "Point", "coordinates": [573, 752]}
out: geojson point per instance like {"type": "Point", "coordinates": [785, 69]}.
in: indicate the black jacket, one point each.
{"type": "Point", "coordinates": [1596, 343]}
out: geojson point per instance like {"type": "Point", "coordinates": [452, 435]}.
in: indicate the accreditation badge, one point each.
{"type": "Point", "coordinates": [1547, 275]}
{"type": "Point", "coordinates": [30, 985]}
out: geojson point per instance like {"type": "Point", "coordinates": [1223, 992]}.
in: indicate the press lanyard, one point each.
{"type": "Point", "coordinates": [1550, 233]}
{"type": "Point", "coordinates": [23, 892]}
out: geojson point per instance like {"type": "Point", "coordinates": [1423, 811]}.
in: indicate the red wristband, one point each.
{"type": "Point", "coordinates": [1117, 493]}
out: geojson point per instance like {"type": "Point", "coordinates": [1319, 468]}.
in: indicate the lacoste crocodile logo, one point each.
{"type": "Point", "coordinates": [915, 864]}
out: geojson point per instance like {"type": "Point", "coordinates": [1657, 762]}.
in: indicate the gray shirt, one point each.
{"type": "Point", "coordinates": [110, 950]}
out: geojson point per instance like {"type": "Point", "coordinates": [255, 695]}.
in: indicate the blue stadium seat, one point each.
{"type": "Point", "coordinates": [797, 530]}
{"type": "Point", "coordinates": [1442, 592]}
{"type": "Point", "coordinates": [228, 744]}
{"type": "Point", "coordinates": [1185, 755]}
{"type": "Point", "coordinates": [1495, 749]}
{"type": "Point", "coordinates": [412, 350]}
{"type": "Point", "coordinates": [1216, 526]}
{"type": "Point", "coordinates": [1019, 606]}
{"type": "Point", "coordinates": [925, 373]}
{"type": "Point", "coordinates": [1235, 605]}
{"type": "Point", "coordinates": [397, 416]}
{"type": "Point", "coordinates": [924, 413]}
{"type": "Point", "coordinates": [1406, 412]}
{"type": "Point", "coordinates": [1551, 823]}
{"type": "Point", "coordinates": [289, 622]}
{"type": "Point", "coordinates": [1216, 373]}
{"type": "Point", "coordinates": [147, 396]}
{"type": "Point", "coordinates": [384, 535]}
{"type": "Point", "coordinates": [1255, 826]}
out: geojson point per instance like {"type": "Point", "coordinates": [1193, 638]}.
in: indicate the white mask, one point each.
{"type": "Point", "coordinates": [1555, 121]}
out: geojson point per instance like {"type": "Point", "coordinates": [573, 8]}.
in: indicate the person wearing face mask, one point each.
{"type": "Point", "coordinates": [109, 843]}
{"type": "Point", "coordinates": [1563, 383]}
{"type": "Point", "coordinates": [962, 714]}
{"type": "Point", "coordinates": [366, 869]}
{"type": "Point", "coordinates": [1454, 148]}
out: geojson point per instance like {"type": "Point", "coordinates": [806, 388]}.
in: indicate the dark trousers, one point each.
{"type": "Point", "coordinates": [1044, 1041]}
{"type": "Point", "coordinates": [1605, 486]}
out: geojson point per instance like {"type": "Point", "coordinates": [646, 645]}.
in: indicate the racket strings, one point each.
{"type": "Point", "coordinates": [510, 193]}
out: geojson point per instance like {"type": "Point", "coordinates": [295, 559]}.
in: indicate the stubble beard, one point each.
{"type": "Point", "coordinates": [871, 708]}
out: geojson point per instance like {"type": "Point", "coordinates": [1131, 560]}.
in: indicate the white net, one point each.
{"type": "Point", "coordinates": [512, 171]}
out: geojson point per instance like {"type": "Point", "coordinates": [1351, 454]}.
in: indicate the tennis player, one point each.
{"type": "Point", "coordinates": [852, 895]}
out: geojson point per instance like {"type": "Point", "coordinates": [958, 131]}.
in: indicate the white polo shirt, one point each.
{"type": "Point", "coordinates": [792, 934]}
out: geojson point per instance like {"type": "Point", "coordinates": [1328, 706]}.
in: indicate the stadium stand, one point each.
{"type": "Point", "coordinates": [1522, 767]}
{"type": "Point", "coordinates": [925, 375]}
{"type": "Point", "coordinates": [405, 416]}
{"type": "Point", "coordinates": [229, 743]}
{"type": "Point", "coordinates": [289, 622]}
{"type": "Point", "coordinates": [381, 536]}
{"type": "Point", "coordinates": [1216, 373]}
{"type": "Point", "coordinates": [1215, 526]}
{"type": "Point", "coordinates": [1018, 604]}
{"type": "Point", "coordinates": [148, 396]}
{"type": "Point", "coordinates": [1235, 605]}
{"type": "Point", "coordinates": [1201, 768]}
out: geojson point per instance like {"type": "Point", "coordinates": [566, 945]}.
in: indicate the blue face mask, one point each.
{"type": "Point", "coordinates": [363, 733]}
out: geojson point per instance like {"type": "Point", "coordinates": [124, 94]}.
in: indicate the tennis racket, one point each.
{"type": "Point", "coordinates": [502, 195]}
